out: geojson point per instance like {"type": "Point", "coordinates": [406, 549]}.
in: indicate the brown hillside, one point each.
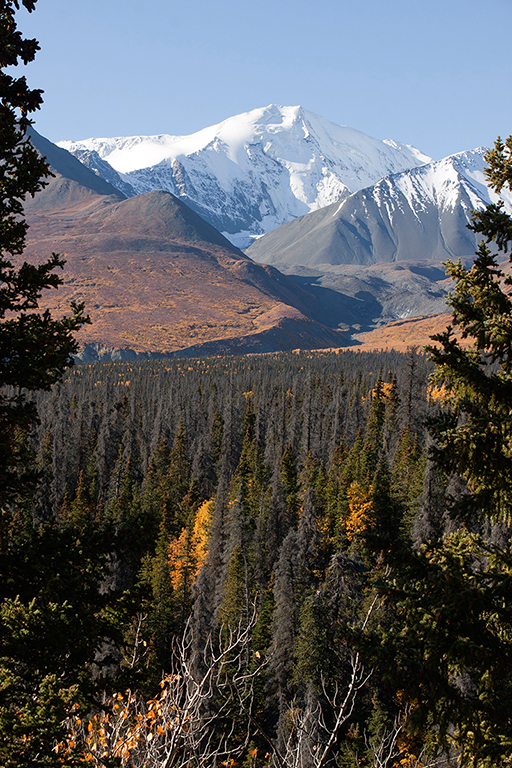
{"type": "Point", "coordinates": [156, 278]}
{"type": "Point", "coordinates": [404, 334]}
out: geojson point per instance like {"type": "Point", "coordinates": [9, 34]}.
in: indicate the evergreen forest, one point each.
{"type": "Point", "coordinates": [241, 503]}
{"type": "Point", "coordinates": [250, 561]}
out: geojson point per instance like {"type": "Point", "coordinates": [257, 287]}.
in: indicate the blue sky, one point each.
{"type": "Point", "coordinates": [434, 74]}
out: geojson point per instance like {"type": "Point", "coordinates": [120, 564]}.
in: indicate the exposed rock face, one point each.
{"type": "Point", "coordinates": [420, 214]}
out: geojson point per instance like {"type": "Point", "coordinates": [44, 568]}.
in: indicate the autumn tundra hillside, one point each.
{"type": "Point", "coordinates": [156, 278]}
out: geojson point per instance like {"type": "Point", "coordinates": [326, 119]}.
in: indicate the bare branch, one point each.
{"type": "Point", "coordinates": [191, 722]}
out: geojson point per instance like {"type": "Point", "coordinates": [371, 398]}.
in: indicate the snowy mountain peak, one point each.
{"type": "Point", "coordinates": [444, 182]}
{"type": "Point", "coordinates": [254, 171]}
{"type": "Point", "coordinates": [418, 214]}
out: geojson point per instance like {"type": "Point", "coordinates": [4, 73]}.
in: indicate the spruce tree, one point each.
{"type": "Point", "coordinates": [35, 348]}
{"type": "Point", "coordinates": [448, 642]}
{"type": "Point", "coordinates": [49, 603]}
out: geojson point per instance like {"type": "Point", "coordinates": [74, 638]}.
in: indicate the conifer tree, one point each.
{"type": "Point", "coordinates": [47, 637]}
{"type": "Point", "coordinates": [175, 485]}
{"type": "Point", "coordinates": [289, 478]}
{"type": "Point", "coordinates": [34, 347]}
{"type": "Point", "coordinates": [448, 640]}
{"type": "Point", "coordinates": [473, 434]}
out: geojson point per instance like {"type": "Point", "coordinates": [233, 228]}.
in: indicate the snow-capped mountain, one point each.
{"type": "Point", "coordinates": [252, 172]}
{"type": "Point", "coordinates": [419, 214]}
{"type": "Point", "coordinates": [155, 277]}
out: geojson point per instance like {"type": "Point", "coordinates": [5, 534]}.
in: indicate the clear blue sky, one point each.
{"type": "Point", "coordinates": [434, 74]}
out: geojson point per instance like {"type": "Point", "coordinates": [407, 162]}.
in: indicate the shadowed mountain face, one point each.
{"type": "Point", "coordinates": [420, 214]}
{"type": "Point", "coordinates": [64, 164]}
{"type": "Point", "coordinates": [383, 247]}
{"type": "Point", "coordinates": [155, 277]}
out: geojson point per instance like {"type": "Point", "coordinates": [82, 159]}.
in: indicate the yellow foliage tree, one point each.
{"type": "Point", "coordinates": [180, 727]}
{"type": "Point", "coordinates": [361, 513]}
{"type": "Point", "coordinates": [188, 552]}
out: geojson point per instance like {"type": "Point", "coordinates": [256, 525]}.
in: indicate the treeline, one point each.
{"type": "Point", "coordinates": [252, 492]}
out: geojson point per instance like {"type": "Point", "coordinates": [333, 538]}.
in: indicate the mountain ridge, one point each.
{"type": "Point", "coordinates": [157, 279]}
{"type": "Point", "coordinates": [337, 259]}
{"type": "Point", "coordinates": [418, 214]}
{"type": "Point", "coordinates": [251, 172]}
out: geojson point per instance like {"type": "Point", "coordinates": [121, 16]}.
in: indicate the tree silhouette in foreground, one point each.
{"type": "Point", "coordinates": [43, 643]}
{"type": "Point", "coordinates": [448, 645]}
{"type": "Point", "coordinates": [35, 348]}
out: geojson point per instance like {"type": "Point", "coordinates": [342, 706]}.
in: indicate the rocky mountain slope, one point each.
{"type": "Point", "coordinates": [252, 172]}
{"type": "Point", "coordinates": [372, 258]}
{"type": "Point", "coordinates": [155, 277]}
{"type": "Point", "coordinates": [383, 248]}
{"type": "Point", "coordinates": [419, 214]}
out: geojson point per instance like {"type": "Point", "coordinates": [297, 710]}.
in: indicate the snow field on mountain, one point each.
{"type": "Point", "coordinates": [255, 171]}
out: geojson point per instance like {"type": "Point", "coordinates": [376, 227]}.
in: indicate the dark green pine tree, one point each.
{"type": "Point", "coordinates": [250, 475]}
{"type": "Point", "coordinates": [236, 605]}
{"type": "Point", "coordinates": [386, 528]}
{"type": "Point", "coordinates": [175, 485]}
{"type": "Point", "coordinates": [78, 514]}
{"type": "Point", "coordinates": [216, 432]}
{"type": "Point", "coordinates": [407, 473]}
{"type": "Point", "coordinates": [245, 519]}
{"type": "Point", "coordinates": [35, 348]}
{"type": "Point", "coordinates": [176, 497]}
{"type": "Point", "coordinates": [353, 468]}
{"type": "Point", "coordinates": [391, 430]}
{"type": "Point", "coordinates": [290, 480]}
{"type": "Point", "coordinates": [472, 436]}
{"type": "Point", "coordinates": [447, 645]}
{"type": "Point", "coordinates": [47, 636]}
{"type": "Point", "coordinates": [159, 605]}
{"type": "Point", "coordinates": [150, 492]}
{"type": "Point", "coordinates": [373, 443]}
{"type": "Point", "coordinates": [335, 495]}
